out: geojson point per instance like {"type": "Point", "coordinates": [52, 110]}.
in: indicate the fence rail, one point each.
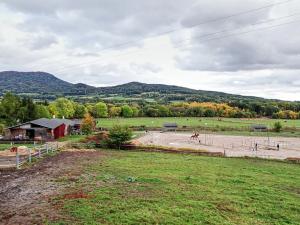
{"type": "Point", "coordinates": [40, 151]}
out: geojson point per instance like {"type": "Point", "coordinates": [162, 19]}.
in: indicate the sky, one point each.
{"type": "Point", "coordinates": [249, 47]}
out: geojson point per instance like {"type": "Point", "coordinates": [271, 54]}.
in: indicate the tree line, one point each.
{"type": "Point", "coordinates": [14, 109]}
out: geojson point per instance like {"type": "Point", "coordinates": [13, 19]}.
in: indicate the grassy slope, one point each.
{"type": "Point", "coordinates": [183, 189]}
{"type": "Point", "coordinates": [191, 121]}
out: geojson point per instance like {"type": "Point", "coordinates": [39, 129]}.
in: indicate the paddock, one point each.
{"type": "Point", "coordinates": [232, 146]}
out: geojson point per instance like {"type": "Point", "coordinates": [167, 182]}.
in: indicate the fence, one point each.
{"type": "Point", "coordinates": [38, 153]}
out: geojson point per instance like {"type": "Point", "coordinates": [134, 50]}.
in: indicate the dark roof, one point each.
{"type": "Point", "coordinates": [65, 121]}
{"type": "Point", "coordinates": [43, 122]}
{"type": "Point", "coordinates": [170, 124]}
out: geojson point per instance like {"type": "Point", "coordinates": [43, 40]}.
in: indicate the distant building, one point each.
{"type": "Point", "coordinates": [170, 127]}
{"type": "Point", "coordinates": [41, 129]}
{"type": "Point", "coordinates": [259, 128]}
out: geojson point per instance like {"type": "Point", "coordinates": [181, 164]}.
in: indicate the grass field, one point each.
{"type": "Point", "coordinates": [194, 122]}
{"type": "Point", "coordinates": [72, 138]}
{"type": "Point", "coordinates": [156, 188]}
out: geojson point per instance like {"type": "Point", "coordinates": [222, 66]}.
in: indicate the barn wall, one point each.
{"type": "Point", "coordinates": [59, 131]}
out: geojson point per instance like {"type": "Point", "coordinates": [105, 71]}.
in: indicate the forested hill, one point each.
{"type": "Point", "coordinates": [37, 82]}
{"type": "Point", "coordinates": [41, 83]}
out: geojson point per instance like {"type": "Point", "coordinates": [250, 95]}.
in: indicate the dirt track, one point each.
{"type": "Point", "coordinates": [25, 194]}
{"type": "Point", "coordinates": [234, 146]}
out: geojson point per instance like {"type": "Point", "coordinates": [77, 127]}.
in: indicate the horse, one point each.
{"type": "Point", "coordinates": [195, 136]}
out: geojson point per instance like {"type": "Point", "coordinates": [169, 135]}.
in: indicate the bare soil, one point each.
{"type": "Point", "coordinates": [26, 195]}
{"type": "Point", "coordinates": [233, 146]}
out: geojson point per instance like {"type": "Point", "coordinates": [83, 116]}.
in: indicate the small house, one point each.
{"type": "Point", "coordinates": [259, 128]}
{"type": "Point", "coordinates": [40, 129]}
{"type": "Point", "coordinates": [170, 127]}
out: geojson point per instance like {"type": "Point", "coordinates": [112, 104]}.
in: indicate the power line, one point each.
{"type": "Point", "coordinates": [191, 27]}
{"type": "Point", "coordinates": [204, 40]}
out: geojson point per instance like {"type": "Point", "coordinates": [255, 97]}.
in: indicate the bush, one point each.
{"type": "Point", "coordinates": [119, 135]}
{"type": "Point", "coordinates": [277, 127]}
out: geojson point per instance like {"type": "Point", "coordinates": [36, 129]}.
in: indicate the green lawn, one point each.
{"type": "Point", "coordinates": [227, 126]}
{"type": "Point", "coordinates": [194, 122]}
{"type": "Point", "coordinates": [72, 138]}
{"type": "Point", "coordinates": [185, 189]}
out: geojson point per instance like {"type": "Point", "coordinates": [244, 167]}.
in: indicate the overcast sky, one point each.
{"type": "Point", "coordinates": [193, 43]}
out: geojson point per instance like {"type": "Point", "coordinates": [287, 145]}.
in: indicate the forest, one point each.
{"type": "Point", "coordinates": [15, 109]}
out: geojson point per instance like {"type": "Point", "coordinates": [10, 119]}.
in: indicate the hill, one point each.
{"type": "Point", "coordinates": [43, 85]}
{"type": "Point", "coordinates": [38, 82]}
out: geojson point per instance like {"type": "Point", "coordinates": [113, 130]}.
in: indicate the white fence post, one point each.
{"type": "Point", "coordinates": [47, 148]}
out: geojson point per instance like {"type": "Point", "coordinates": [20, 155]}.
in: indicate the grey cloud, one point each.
{"type": "Point", "coordinates": [266, 49]}
{"type": "Point", "coordinates": [100, 23]}
{"type": "Point", "coordinates": [78, 31]}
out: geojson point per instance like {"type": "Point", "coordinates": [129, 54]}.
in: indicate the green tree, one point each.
{"type": "Point", "coordinates": [209, 113]}
{"type": "Point", "coordinates": [9, 109]}
{"type": "Point", "coordinates": [163, 111]}
{"type": "Point", "coordinates": [80, 110]}
{"type": "Point", "coordinates": [42, 111]}
{"type": "Point", "coordinates": [127, 111]}
{"type": "Point", "coordinates": [27, 111]}
{"type": "Point", "coordinates": [2, 127]}
{"type": "Point", "coordinates": [195, 111]}
{"type": "Point", "coordinates": [100, 110]}
{"type": "Point", "coordinates": [62, 107]}
{"type": "Point", "coordinates": [135, 111]}
{"type": "Point", "coordinates": [119, 135]}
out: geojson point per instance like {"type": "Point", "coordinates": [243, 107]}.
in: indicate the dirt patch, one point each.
{"type": "Point", "coordinates": [76, 195]}
{"type": "Point", "coordinates": [25, 194]}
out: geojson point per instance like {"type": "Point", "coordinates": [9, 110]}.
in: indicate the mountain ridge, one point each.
{"type": "Point", "coordinates": [46, 83]}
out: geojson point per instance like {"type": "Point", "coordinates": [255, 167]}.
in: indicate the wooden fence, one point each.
{"type": "Point", "coordinates": [38, 153]}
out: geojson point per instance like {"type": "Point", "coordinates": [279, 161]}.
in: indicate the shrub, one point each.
{"type": "Point", "coordinates": [119, 135]}
{"type": "Point", "coordinates": [277, 127]}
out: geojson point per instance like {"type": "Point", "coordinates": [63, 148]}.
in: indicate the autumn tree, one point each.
{"type": "Point", "coordinates": [115, 111]}
{"type": "Point", "coordinates": [87, 124]}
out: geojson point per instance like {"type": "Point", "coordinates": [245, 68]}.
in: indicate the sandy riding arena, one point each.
{"type": "Point", "coordinates": [233, 146]}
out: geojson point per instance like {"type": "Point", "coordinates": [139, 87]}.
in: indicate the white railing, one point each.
{"type": "Point", "coordinates": [38, 153]}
